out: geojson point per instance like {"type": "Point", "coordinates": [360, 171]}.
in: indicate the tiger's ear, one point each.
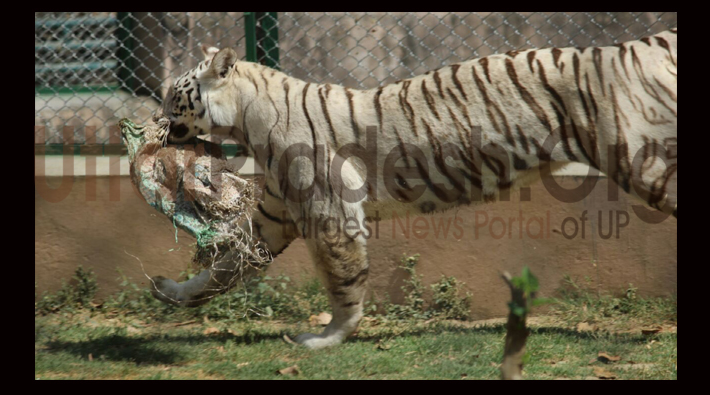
{"type": "Point", "coordinates": [223, 62]}
{"type": "Point", "coordinates": [209, 52]}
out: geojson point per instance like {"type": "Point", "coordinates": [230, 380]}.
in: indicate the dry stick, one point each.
{"type": "Point", "coordinates": [517, 333]}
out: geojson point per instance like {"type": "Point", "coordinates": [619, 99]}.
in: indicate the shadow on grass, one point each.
{"type": "Point", "coordinates": [152, 349]}
{"type": "Point", "coordinates": [175, 349]}
{"type": "Point", "coordinates": [375, 334]}
{"type": "Point", "coordinates": [625, 338]}
{"type": "Point", "coordinates": [120, 348]}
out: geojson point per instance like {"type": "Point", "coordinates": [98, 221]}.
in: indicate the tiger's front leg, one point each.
{"type": "Point", "coordinates": [269, 226]}
{"type": "Point", "coordinates": [341, 263]}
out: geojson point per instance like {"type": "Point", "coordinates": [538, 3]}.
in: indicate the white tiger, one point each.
{"type": "Point", "coordinates": [464, 133]}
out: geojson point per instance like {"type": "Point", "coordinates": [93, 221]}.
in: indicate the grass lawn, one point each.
{"type": "Point", "coordinates": [83, 346]}
{"type": "Point", "coordinates": [132, 336]}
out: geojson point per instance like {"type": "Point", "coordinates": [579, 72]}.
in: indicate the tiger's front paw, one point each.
{"type": "Point", "coordinates": [165, 290]}
{"type": "Point", "coordinates": [179, 294]}
{"type": "Point", "coordinates": [315, 342]}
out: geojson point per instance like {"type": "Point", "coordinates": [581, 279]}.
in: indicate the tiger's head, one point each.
{"type": "Point", "coordinates": [202, 98]}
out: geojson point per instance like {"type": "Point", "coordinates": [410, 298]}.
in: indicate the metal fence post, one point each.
{"type": "Point", "coordinates": [250, 35]}
{"type": "Point", "coordinates": [267, 35]}
{"type": "Point", "coordinates": [125, 46]}
{"type": "Point", "coordinates": [262, 38]}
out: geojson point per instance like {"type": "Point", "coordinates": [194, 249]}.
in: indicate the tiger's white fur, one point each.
{"type": "Point", "coordinates": [481, 127]}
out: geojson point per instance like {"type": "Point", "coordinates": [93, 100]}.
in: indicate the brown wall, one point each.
{"type": "Point", "coordinates": [100, 233]}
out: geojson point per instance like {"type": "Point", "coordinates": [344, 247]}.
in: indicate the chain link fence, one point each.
{"type": "Point", "coordinates": [92, 69]}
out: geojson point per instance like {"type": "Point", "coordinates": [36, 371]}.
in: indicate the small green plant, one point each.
{"type": "Point", "coordinates": [446, 300]}
{"type": "Point", "coordinates": [310, 298]}
{"type": "Point", "coordinates": [414, 304]}
{"type": "Point", "coordinates": [529, 284]}
{"type": "Point", "coordinates": [135, 300]}
{"type": "Point", "coordinates": [583, 304]}
{"type": "Point", "coordinates": [269, 297]}
{"type": "Point", "coordinates": [77, 294]}
{"type": "Point", "coordinates": [260, 296]}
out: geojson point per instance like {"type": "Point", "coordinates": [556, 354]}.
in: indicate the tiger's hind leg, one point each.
{"type": "Point", "coordinates": [652, 179]}
{"type": "Point", "coordinates": [342, 265]}
{"type": "Point", "coordinates": [343, 269]}
{"type": "Point", "coordinates": [660, 193]}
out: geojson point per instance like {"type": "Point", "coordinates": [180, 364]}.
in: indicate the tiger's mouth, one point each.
{"type": "Point", "coordinates": [177, 132]}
